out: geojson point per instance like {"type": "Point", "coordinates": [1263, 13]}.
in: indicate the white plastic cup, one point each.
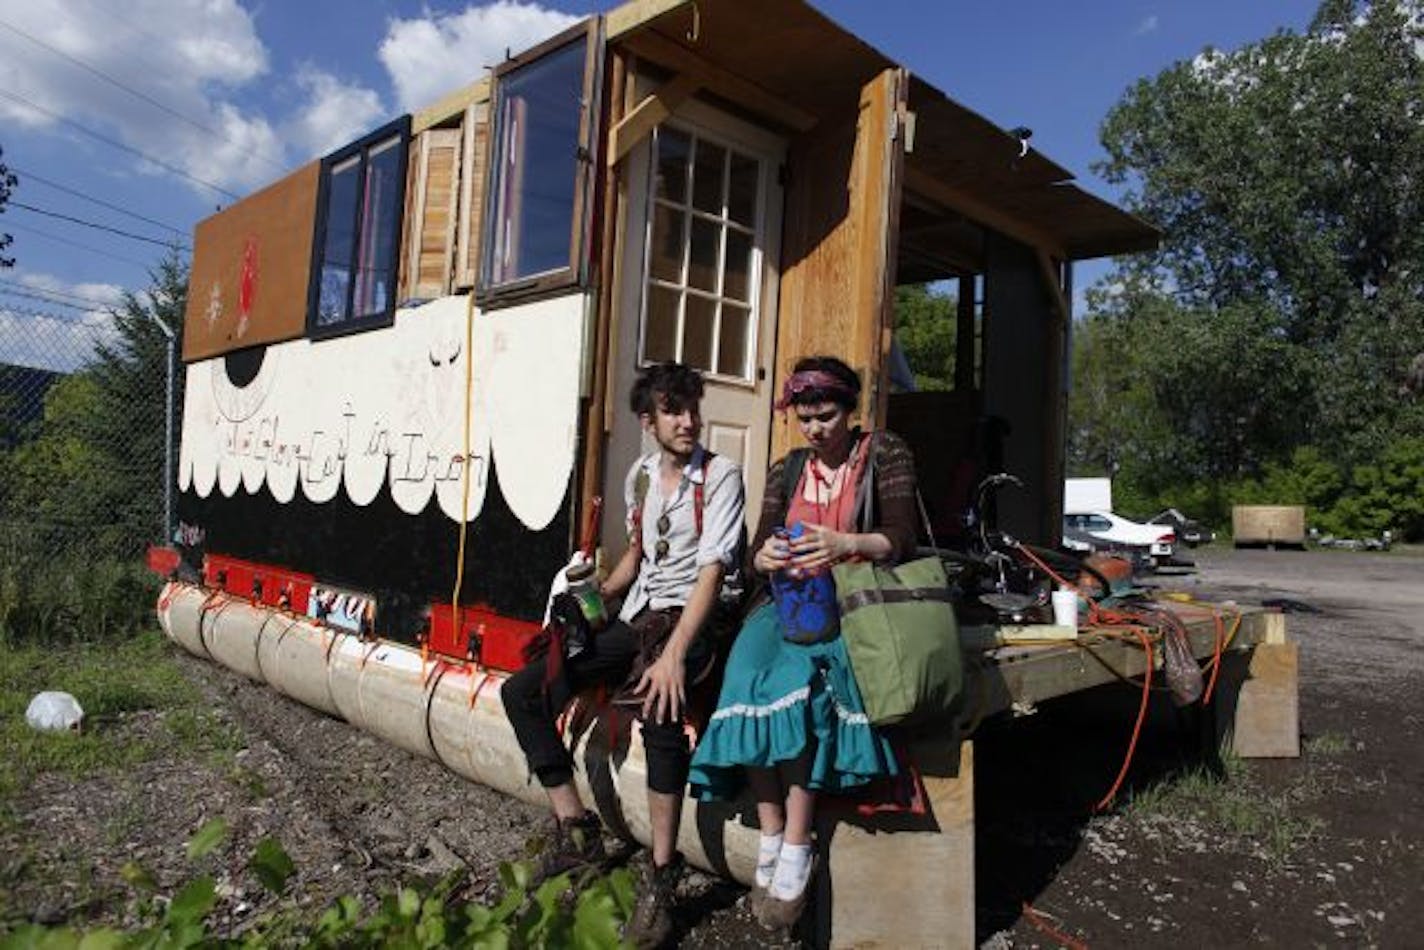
{"type": "Point", "coordinates": [1065, 608]}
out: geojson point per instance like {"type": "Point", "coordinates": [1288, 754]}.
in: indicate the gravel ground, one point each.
{"type": "Point", "coordinates": [1324, 850]}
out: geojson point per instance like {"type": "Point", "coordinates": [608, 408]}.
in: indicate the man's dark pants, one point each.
{"type": "Point", "coordinates": [607, 661]}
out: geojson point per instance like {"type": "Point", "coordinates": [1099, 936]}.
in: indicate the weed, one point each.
{"type": "Point", "coordinates": [1329, 743]}
{"type": "Point", "coordinates": [116, 682]}
{"type": "Point", "coordinates": [1234, 806]}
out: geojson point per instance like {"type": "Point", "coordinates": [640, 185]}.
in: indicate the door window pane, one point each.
{"type": "Point", "coordinates": [660, 329]}
{"type": "Point", "coordinates": [734, 337]}
{"type": "Point", "coordinates": [674, 149]}
{"type": "Point", "coordinates": [702, 261]}
{"type": "Point", "coordinates": [742, 189]}
{"type": "Point", "coordinates": [736, 272]}
{"type": "Point", "coordinates": [707, 173]}
{"type": "Point", "coordinates": [665, 255]}
{"type": "Point", "coordinates": [698, 324]}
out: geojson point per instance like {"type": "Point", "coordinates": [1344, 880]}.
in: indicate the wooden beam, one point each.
{"type": "Point", "coordinates": [635, 13]}
{"type": "Point", "coordinates": [966, 347]}
{"type": "Point", "coordinates": [648, 114]}
{"type": "Point", "coordinates": [977, 209]}
{"type": "Point", "coordinates": [664, 52]}
{"type": "Point", "coordinates": [1051, 280]}
{"type": "Point", "coordinates": [450, 106]}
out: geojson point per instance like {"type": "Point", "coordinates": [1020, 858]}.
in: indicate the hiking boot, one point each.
{"type": "Point", "coordinates": [651, 923]}
{"type": "Point", "coordinates": [575, 844]}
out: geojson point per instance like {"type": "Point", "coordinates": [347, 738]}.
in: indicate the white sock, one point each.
{"type": "Point", "coordinates": [767, 852]}
{"type": "Point", "coordinates": [793, 870]}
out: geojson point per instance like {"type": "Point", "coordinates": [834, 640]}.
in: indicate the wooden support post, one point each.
{"type": "Point", "coordinates": [1258, 702]}
{"type": "Point", "coordinates": [639, 123]}
{"type": "Point", "coordinates": [903, 880]}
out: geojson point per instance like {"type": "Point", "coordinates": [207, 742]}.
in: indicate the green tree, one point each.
{"type": "Point", "coordinates": [96, 463]}
{"type": "Point", "coordinates": [8, 181]}
{"type": "Point", "coordinates": [1286, 178]}
{"type": "Point", "coordinates": [925, 327]}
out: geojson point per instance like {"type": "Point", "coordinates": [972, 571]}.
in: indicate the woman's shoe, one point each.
{"type": "Point", "coordinates": [756, 899]}
{"type": "Point", "coordinates": [776, 914]}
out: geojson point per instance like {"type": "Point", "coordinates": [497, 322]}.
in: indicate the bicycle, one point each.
{"type": "Point", "coordinates": [1010, 580]}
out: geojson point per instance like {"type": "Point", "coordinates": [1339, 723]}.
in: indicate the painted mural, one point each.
{"type": "Point", "coordinates": [387, 410]}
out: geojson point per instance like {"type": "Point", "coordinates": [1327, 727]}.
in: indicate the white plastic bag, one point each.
{"type": "Point", "coordinates": [53, 711]}
{"type": "Point", "coordinates": [560, 582]}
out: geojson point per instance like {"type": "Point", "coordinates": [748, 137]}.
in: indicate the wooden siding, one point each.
{"type": "Point", "coordinates": [838, 242]}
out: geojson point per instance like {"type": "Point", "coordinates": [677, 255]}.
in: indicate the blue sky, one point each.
{"type": "Point", "coordinates": [234, 94]}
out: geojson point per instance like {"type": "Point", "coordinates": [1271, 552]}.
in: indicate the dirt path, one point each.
{"type": "Point", "coordinates": [1325, 850]}
{"type": "Point", "coordinates": [1320, 851]}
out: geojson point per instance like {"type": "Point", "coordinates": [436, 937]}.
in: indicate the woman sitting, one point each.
{"type": "Point", "coordinates": [790, 717]}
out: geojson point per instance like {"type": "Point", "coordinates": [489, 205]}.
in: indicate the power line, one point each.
{"type": "Point", "coordinates": [30, 288]}
{"type": "Point", "coordinates": [46, 314]}
{"type": "Point", "coordinates": [42, 299]}
{"type": "Point", "coordinates": [98, 227]}
{"type": "Point", "coordinates": [131, 91]}
{"type": "Point", "coordinates": [76, 244]}
{"type": "Point", "coordinates": [117, 144]}
{"type": "Point", "coordinates": [28, 176]}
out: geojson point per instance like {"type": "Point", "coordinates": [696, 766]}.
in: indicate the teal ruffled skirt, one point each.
{"type": "Point", "coordinates": [778, 699]}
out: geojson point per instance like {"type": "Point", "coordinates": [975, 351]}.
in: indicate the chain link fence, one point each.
{"type": "Point", "coordinates": [88, 432]}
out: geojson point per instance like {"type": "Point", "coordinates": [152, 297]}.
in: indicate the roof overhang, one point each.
{"type": "Point", "coordinates": [792, 66]}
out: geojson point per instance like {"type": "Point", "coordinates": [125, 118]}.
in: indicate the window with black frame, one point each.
{"type": "Point", "coordinates": [357, 247]}
{"type": "Point", "coordinates": [535, 205]}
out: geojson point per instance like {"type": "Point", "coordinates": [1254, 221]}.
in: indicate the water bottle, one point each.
{"type": "Point", "coordinates": [583, 587]}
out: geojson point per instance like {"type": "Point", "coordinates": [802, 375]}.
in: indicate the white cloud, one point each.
{"type": "Point", "coordinates": [53, 336]}
{"type": "Point", "coordinates": [1149, 25]}
{"type": "Point", "coordinates": [207, 48]}
{"type": "Point", "coordinates": [436, 54]}
{"type": "Point", "coordinates": [333, 114]}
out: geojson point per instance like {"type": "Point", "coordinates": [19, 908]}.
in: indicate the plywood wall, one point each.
{"type": "Point", "coordinates": [251, 268]}
{"type": "Point", "coordinates": [842, 195]}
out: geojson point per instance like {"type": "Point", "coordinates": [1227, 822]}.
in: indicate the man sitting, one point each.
{"type": "Point", "coordinates": [685, 522]}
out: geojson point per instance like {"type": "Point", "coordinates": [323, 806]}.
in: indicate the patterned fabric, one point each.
{"type": "Point", "coordinates": [780, 699]}
{"type": "Point", "coordinates": [894, 513]}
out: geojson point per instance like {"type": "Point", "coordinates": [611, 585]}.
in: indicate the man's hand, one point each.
{"type": "Point", "coordinates": [663, 684]}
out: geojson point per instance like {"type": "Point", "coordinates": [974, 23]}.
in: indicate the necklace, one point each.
{"type": "Point", "coordinates": [829, 492]}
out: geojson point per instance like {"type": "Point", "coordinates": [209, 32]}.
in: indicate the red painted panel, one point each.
{"type": "Point", "coordinates": [279, 587]}
{"type": "Point", "coordinates": [500, 640]}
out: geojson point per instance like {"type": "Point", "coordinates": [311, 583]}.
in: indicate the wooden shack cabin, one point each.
{"type": "Point", "coordinates": [407, 366]}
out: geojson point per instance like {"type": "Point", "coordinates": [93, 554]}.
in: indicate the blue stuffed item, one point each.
{"type": "Point", "coordinates": [805, 603]}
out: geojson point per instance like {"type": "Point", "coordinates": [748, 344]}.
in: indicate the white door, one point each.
{"type": "Point", "coordinates": [698, 285]}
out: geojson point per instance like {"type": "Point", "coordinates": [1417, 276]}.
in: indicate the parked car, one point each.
{"type": "Point", "coordinates": [1083, 544]}
{"type": "Point", "coordinates": [1188, 530]}
{"type": "Point", "coordinates": [1160, 541]}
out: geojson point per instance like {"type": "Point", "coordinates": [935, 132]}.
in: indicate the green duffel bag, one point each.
{"type": "Point", "coordinates": [903, 640]}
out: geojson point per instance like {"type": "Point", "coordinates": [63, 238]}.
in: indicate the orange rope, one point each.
{"type": "Point", "coordinates": [1037, 919]}
{"type": "Point", "coordinates": [1137, 727]}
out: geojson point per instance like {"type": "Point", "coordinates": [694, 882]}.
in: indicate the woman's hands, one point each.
{"type": "Point", "coordinates": [774, 555]}
{"type": "Point", "coordinates": [817, 547]}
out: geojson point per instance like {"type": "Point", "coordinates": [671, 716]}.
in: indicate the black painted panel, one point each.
{"type": "Point", "coordinates": [407, 561]}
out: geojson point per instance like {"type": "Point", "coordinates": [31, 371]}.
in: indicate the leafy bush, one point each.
{"type": "Point", "coordinates": [50, 595]}
{"type": "Point", "coordinates": [564, 911]}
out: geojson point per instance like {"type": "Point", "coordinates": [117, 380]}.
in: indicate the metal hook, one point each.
{"type": "Point", "coordinates": [696, 32]}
